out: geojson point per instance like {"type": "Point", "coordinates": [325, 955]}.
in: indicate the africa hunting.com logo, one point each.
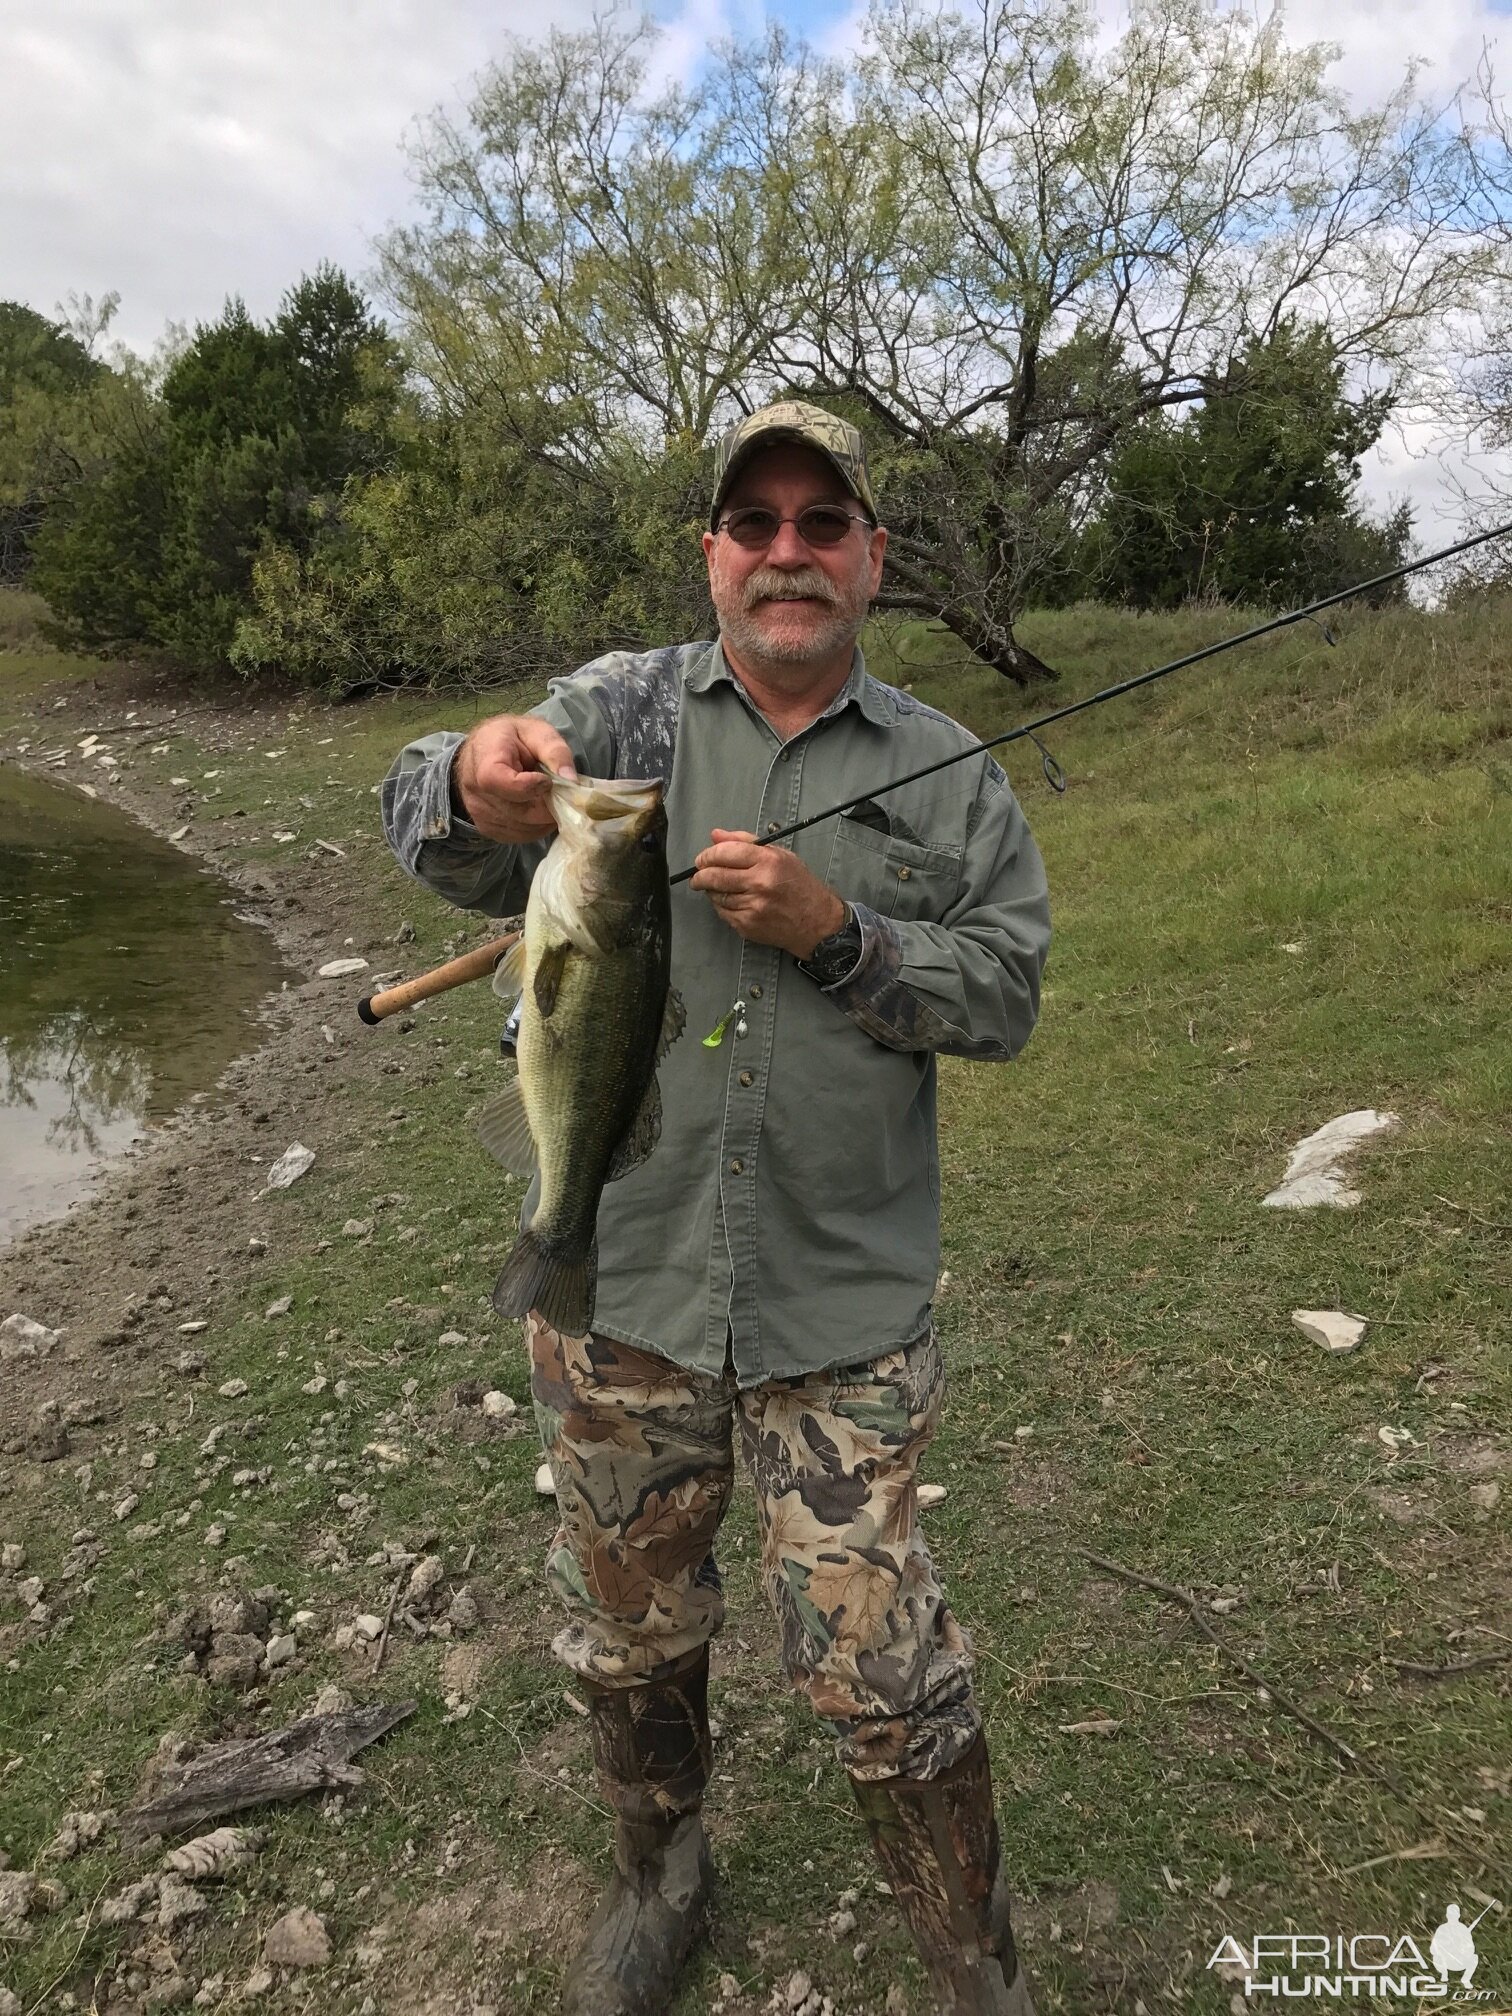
{"type": "Point", "coordinates": [1298, 1966]}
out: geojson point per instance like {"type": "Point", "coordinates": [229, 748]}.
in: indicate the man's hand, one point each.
{"type": "Point", "coordinates": [496, 774]}
{"type": "Point", "coordinates": [766, 893]}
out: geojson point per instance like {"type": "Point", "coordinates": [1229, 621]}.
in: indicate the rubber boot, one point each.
{"type": "Point", "coordinates": [652, 1749]}
{"type": "Point", "coordinates": [937, 1842]}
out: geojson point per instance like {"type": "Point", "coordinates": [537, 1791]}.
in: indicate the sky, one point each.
{"type": "Point", "coordinates": [177, 151]}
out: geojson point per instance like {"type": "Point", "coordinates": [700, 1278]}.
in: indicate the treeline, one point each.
{"type": "Point", "coordinates": [1117, 323]}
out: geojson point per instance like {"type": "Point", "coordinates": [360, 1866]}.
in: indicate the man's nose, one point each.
{"type": "Point", "coordinates": [788, 548]}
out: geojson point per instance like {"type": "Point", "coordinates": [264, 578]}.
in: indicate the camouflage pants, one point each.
{"type": "Point", "coordinates": [642, 1452]}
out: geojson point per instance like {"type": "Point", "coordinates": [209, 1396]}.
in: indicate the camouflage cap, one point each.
{"type": "Point", "coordinates": [792, 420]}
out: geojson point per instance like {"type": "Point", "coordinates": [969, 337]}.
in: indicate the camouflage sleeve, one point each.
{"type": "Point", "coordinates": [446, 851]}
{"type": "Point", "coordinates": [969, 984]}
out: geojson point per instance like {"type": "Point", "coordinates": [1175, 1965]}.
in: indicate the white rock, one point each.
{"type": "Point", "coordinates": [930, 1494]}
{"type": "Point", "coordinates": [22, 1337]}
{"type": "Point", "coordinates": [215, 1536]}
{"type": "Point", "coordinates": [178, 1900]}
{"type": "Point", "coordinates": [1314, 1170]}
{"type": "Point", "coordinates": [192, 1329]}
{"type": "Point", "coordinates": [426, 1577]}
{"type": "Point", "coordinates": [450, 1339]}
{"type": "Point", "coordinates": [367, 1625]}
{"type": "Point", "coordinates": [233, 1389]}
{"type": "Point", "coordinates": [1395, 1438]}
{"type": "Point", "coordinates": [544, 1481]}
{"type": "Point", "coordinates": [124, 1507]}
{"type": "Point", "coordinates": [299, 1939]}
{"type": "Point", "coordinates": [304, 1620]}
{"type": "Point", "coordinates": [316, 1385]}
{"type": "Point", "coordinates": [357, 1228]}
{"type": "Point", "coordinates": [338, 969]}
{"type": "Point", "coordinates": [12, 1557]}
{"type": "Point", "coordinates": [499, 1406]}
{"type": "Point", "coordinates": [294, 1162]}
{"type": "Point", "coordinates": [1485, 1497]}
{"type": "Point", "coordinates": [178, 833]}
{"type": "Point", "coordinates": [282, 1648]}
{"type": "Point", "coordinates": [1335, 1329]}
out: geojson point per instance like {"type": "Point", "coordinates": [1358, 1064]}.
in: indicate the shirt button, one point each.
{"type": "Point", "coordinates": [903, 874]}
{"type": "Point", "coordinates": [784, 756]}
{"type": "Point", "coordinates": [756, 992]}
{"type": "Point", "coordinates": [737, 1167]}
{"type": "Point", "coordinates": [774, 826]}
{"type": "Point", "coordinates": [746, 1078]}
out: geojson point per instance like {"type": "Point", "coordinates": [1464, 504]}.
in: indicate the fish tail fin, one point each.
{"type": "Point", "coordinates": [559, 1286]}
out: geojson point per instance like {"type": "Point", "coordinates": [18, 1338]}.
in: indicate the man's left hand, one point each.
{"type": "Point", "coordinates": [766, 893]}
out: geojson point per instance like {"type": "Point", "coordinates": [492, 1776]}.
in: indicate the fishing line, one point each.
{"type": "Point", "coordinates": [1030, 729]}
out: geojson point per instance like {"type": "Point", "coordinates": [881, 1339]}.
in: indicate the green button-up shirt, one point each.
{"type": "Point", "coordinates": [791, 1206]}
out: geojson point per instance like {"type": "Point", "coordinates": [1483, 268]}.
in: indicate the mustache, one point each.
{"type": "Point", "coordinates": [771, 584]}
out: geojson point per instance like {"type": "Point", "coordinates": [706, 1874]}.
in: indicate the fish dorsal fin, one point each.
{"type": "Point", "coordinates": [674, 1021]}
{"type": "Point", "coordinates": [504, 1130]}
{"type": "Point", "coordinates": [641, 1136]}
{"type": "Point", "coordinates": [547, 978]}
{"type": "Point", "coordinates": [509, 974]}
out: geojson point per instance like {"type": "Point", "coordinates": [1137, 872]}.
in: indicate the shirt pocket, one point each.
{"type": "Point", "coordinates": [896, 878]}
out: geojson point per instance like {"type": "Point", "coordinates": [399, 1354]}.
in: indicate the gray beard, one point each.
{"type": "Point", "coordinates": [739, 623]}
{"type": "Point", "coordinates": [743, 630]}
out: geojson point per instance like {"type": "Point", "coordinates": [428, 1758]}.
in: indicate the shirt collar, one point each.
{"type": "Point", "coordinates": [874, 699]}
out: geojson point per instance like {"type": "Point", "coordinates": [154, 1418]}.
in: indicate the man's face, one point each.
{"type": "Point", "coordinates": [792, 603]}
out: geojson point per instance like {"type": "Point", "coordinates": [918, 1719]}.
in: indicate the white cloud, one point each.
{"type": "Point", "coordinates": [181, 150]}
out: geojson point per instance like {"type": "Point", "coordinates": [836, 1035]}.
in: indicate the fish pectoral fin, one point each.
{"type": "Point", "coordinates": [548, 977]}
{"type": "Point", "coordinates": [509, 974]}
{"type": "Point", "coordinates": [674, 1021]}
{"type": "Point", "coordinates": [641, 1136]}
{"type": "Point", "coordinates": [504, 1130]}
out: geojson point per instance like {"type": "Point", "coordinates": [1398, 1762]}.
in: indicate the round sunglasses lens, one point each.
{"type": "Point", "coordinates": [822, 527]}
{"type": "Point", "coordinates": [752, 528]}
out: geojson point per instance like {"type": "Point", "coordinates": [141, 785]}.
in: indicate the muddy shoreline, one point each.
{"type": "Point", "coordinates": [168, 1225]}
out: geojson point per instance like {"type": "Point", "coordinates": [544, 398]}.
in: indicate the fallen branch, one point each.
{"type": "Point", "coordinates": [310, 1756]}
{"type": "Point", "coordinates": [383, 1636]}
{"type": "Point", "coordinates": [1451, 1666]}
{"type": "Point", "coordinates": [1188, 1602]}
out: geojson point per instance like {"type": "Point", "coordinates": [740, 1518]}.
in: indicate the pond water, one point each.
{"type": "Point", "coordinates": [126, 985]}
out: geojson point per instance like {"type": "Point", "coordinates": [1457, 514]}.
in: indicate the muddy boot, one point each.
{"type": "Point", "coordinates": [651, 1746]}
{"type": "Point", "coordinates": [937, 1842]}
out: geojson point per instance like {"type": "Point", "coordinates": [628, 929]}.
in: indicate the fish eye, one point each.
{"type": "Point", "coordinates": [650, 842]}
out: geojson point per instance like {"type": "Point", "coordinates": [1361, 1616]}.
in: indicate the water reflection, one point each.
{"type": "Point", "coordinates": [125, 985]}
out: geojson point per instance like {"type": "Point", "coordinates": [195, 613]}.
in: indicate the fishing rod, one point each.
{"type": "Point", "coordinates": [1031, 729]}
{"type": "Point", "coordinates": [374, 1008]}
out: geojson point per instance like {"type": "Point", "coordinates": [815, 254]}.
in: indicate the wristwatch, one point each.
{"type": "Point", "coordinates": [835, 958]}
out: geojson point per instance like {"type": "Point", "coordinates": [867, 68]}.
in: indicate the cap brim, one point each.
{"type": "Point", "coordinates": [770, 438]}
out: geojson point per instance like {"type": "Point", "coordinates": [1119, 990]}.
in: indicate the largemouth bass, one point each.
{"type": "Point", "coordinates": [597, 1012]}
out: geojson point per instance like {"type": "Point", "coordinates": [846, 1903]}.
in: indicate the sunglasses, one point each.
{"type": "Point", "coordinates": [753, 526]}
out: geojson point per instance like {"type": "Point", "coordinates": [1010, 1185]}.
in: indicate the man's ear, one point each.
{"type": "Point", "coordinates": [876, 548]}
{"type": "Point", "coordinates": [709, 543]}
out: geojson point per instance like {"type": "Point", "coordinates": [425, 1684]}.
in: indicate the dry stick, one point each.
{"type": "Point", "coordinates": [1283, 1700]}
{"type": "Point", "coordinates": [383, 1635]}
{"type": "Point", "coordinates": [1451, 1666]}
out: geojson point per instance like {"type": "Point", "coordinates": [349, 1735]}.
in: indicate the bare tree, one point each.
{"type": "Point", "coordinates": [994, 240]}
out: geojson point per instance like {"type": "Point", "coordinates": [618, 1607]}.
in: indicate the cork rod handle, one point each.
{"type": "Point", "coordinates": [476, 965]}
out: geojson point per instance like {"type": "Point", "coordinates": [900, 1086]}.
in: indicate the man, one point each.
{"type": "Point", "coordinates": [772, 1263]}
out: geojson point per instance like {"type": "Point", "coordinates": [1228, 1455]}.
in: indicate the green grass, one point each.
{"type": "Point", "coordinates": [1116, 1289]}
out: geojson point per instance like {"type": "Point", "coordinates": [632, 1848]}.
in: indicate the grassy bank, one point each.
{"type": "Point", "coordinates": [1281, 886]}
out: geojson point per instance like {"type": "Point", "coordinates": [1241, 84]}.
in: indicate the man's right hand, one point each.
{"type": "Point", "coordinates": [496, 774]}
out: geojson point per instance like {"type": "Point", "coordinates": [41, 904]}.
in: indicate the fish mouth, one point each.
{"type": "Point", "coordinates": [627, 805]}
